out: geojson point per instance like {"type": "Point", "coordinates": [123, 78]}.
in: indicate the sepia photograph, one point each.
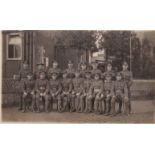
{"type": "Point", "coordinates": [78, 76]}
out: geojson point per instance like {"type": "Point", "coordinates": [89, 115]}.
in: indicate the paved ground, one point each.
{"type": "Point", "coordinates": [143, 112]}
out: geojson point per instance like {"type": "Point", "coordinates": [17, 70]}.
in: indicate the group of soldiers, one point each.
{"type": "Point", "coordinates": [82, 90]}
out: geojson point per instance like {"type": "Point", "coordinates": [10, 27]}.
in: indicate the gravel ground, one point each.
{"type": "Point", "coordinates": [143, 112]}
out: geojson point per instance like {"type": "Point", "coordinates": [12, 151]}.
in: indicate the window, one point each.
{"type": "Point", "coordinates": [14, 47]}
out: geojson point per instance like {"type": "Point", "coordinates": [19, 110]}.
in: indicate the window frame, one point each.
{"type": "Point", "coordinates": [7, 47]}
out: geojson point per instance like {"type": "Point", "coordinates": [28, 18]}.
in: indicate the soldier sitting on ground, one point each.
{"type": "Point", "coordinates": [97, 93]}
{"type": "Point", "coordinates": [76, 91]}
{"type": "Point", "coordinates": [41, 92]}
{"type": "Point", "coordinates": [108, 84]}
{"type": "Point", "coordinates": [28, 92]}
{"type": "Point", "coordinates": [120, 96]}
{"type": "Point", "coordinates": [66, 92]}
{"type": "Point", "coordinates": [54, 91]}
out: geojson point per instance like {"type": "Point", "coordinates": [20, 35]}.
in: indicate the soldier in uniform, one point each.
{"type": "Point", "coordinates": [108, 85]}
{"type": "Point", "coordinates": [109, 71]}
{"type": "Point", "coordinates": [119, 95]}
{"type": "Point", "coordinates": [95, 69]}
{"type": "Point", "coordinates": [70, 70]}
{"type": "Point", "coordinates": [76, 92]}
{"type": "Point", "coordinates": [55, 89]}
{"type": "Point", "coordinates": [40, 68]}
{"type": "Point", "coordinates": [28, 92]}
{"type": "Point", "coordinates": [83, 69]}
{"type": "Point", "coordinates": [127, 77]}
{"type": "Point", "coordinates": [42, 88]}
{"type": "Point", "coordinates": [22, 77]}
{"type": "Point", "coordinates": [54, 69]}
{"type": "Point", "coordinates": [66, 92]}
{"type": "Point", "coordinates": [86, 93]}
{"type": "Point", "coordinates": [97, 94]}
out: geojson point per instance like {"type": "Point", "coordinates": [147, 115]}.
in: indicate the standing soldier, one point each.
{"type": "Point", "coordinates": [120, 95]}
{"type": "Point", "coordinates": [22, 77]}
{"type": "Point", "coordinates": [95, 69]}
{"type": "Point", "coordinates": [83, 69]}
{"type": "Point", "coordinates": [108, 85]}
{"type": "Point", "coordinates": [76, 92]}
{"type": "Point", "coordinates": [109, 71]}
{"type": "Point", "coordinates": [66, 92]}
{"type": "Point", "coordinates": [54, 69]}
{"type": "Point", "coordinates": [40, 68]}
{"type": "Point", "coordinates": [41, 88]}
{"type": "Point", "coordinates": [70, 70]}
{"type": "Point", "coordinates": [28, 92]}
{"type": "Point", "coordinates": [54, 91]}
{"type": "Point", "coordinates": [127, 77]}
{"type": "Point", "coordinates": [86, 93]}
{"type": "Point", "coordinates": [97, 93]}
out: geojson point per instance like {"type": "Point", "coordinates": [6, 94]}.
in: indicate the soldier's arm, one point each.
{"type": "Point", "coordinates": [70, 86]}
{"type": "Point", "coordinates": [24, 87]}
{"type": "Point", "coordinates": [47, 87]}
{"type": "Point", "coordinates": [112, 91]}
{"type": "Point", "coordinates": [125, 90]}
{"type": "Point", "coordinates": [59, 88]}
{"type": "Point", "coordinates": [36, 86]}
{"type": "Point", "coordinates": [131, 79]}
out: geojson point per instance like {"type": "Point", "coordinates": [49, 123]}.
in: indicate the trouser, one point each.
{"type": "Point", "coordinates": [98, 103]}
{"type": "Point", "coordinates": [107, 104]}
{"type": "Point", "coordinates": [28, 100]}
{"type": "Point", "coordinates": [89, 103]}
{"type": "Point", "coordinates": [81, 104]}
{"type": "Point", "coordinates": [121, 101]}
{"type": "Point", "coordinates": [42, 102]}
{"type": "Point", "coordinates": [65, 101]}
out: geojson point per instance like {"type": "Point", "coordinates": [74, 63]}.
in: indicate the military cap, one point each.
{"type": "Point", "coordinates": [42, 72]}
{"type": "Point", "coordinates": [88, 71]}
{"type": "Point", "coordinates": [54, 62]}
{"type": "Point", "coordinates": [108, 75]}
{"type": "Point", "coordinates": [119, 74]}
{"type": "Point", "coordinates": [125, 63]}
{"type": "Point", "coordinates": [97, 73]}
{"type": "Point", "coordinates": [83, 63]}
{"type": "Point", "coordinates": [70, 62]}
{"type": "Point", "coordinates": [25, 62]}
{"type": "Point", "coordinates": [54, 73]}
{"type": "Point", "coordinates": [109, 64]}
{"type": "Point", "coordinates": [29, 74]}
{"type": "Point", "coordinates": [39, 64]}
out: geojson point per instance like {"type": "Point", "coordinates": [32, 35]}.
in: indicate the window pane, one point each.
{"type": "Point", "coordinates": [11, 51]}
{"type": "Point", "coordinates": [17, 51]}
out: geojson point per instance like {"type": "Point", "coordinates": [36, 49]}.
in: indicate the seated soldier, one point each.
{"type": "Point", "coordinates": [97, 93]}
{"type": "Point", "coordinates": [86, 94]}
{"type": "Point", "coordinates": [54, 91]}
{"type": "Point", "coordinates": [120, 95]}
{"type": "Point", "coordinates": [41, 92]}
{"type": "Point", "coordinates": [76, 91]}
{"type": "Point", "coordinates": [66, 92]}
{"type": "Point", "coordinates": [108, 84]}
{"type": "Point", "coordinates": [28, 92]}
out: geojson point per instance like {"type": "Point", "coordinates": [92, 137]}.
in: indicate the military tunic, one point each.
{"type": "Point", "coordinates": [111, 73]}
{"type": "Point", "coordinates": [53, 70]}
{"type": "Point", "coordinates": [70, 72]}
